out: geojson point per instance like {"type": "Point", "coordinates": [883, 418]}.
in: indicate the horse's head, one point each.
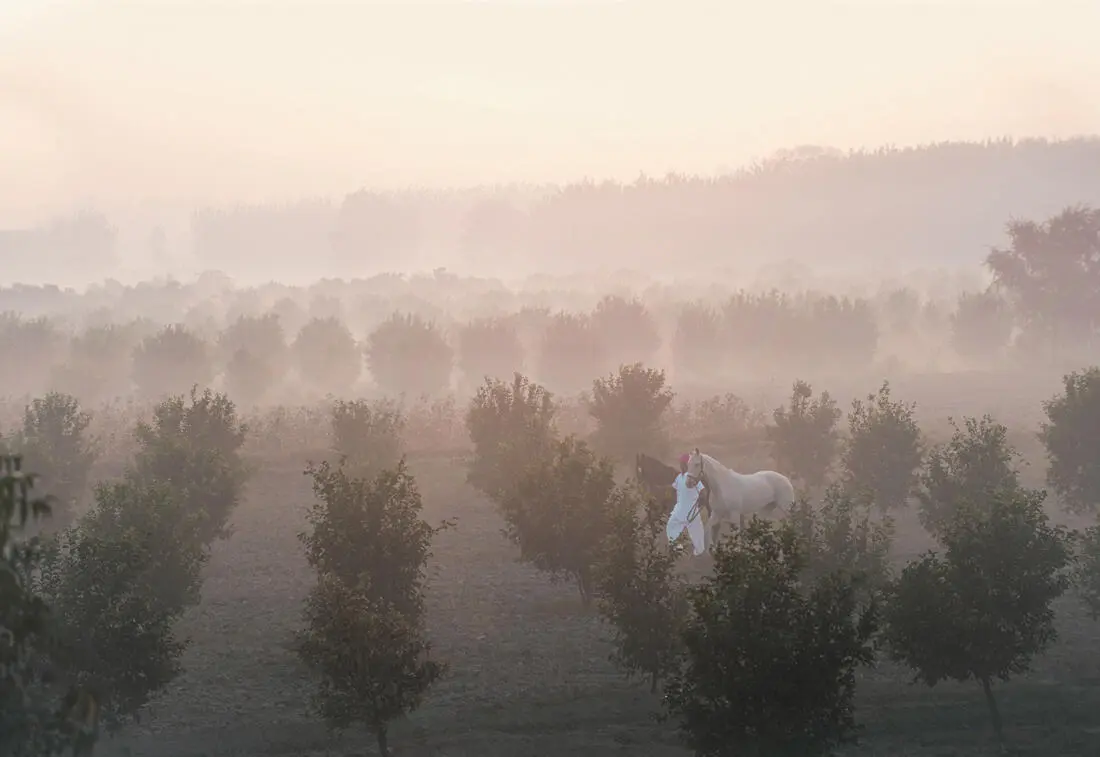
{"type": "Point", "coordinates": [695, 470]}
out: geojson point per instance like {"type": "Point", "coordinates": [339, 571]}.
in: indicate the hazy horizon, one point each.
{"type": "Point", "coordinates": [120, 104]}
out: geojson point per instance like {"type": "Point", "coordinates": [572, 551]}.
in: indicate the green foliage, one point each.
{"type": "Point", "coordinates": [195, 447]}
{"type": "Point", "coordinates": [976, 463]}
{"type": "Point", "coordinates": [982, 610]}
{"type": "Point", "coordinates": [1088, 570]}
{"type": "Point", "coordinates": [637, 588]}
{"type": "Point", "coordinates": [367, 435]}
{"type": "Point", "coordinates": [839, 537]}
{"type": "Point", "coordinates": [1071, 435]}
{"type": "Point", "coordinates": [39, 345]}
{"type": "Point", "coordinates": [629, 407]}
{"type": "Point", "coordinates": [55, 442]}
{"type": "Point", "coordinates": [512, 427]}
{"type": "Point", "coordinates": [326, 355]}
{"type": "Point", "coordinates": [570, 352]}
{"type": "Point", "coordinates": [98, 364]}
{"type": "Point", "coordinates": [981, 325]}
{"type": "Point", "coordinates": [559, 515]}
{"type": "Point", "coordinates": [406, 353]}
{"type": "Point", "coordinates": [770, 660]}
{"type": "Point", "coordinates": [171, 362]}
{"type": "Point", "coordinates": [627, 328]}
{"type": "Point", "coordinates": [883, 452]}
{"type": "Point", "coordinates": [372, 660]}
{"type": "Point", "coordinates": [369, 534]}
{"type": "Point", "coordinates": [118, 581]}
{"type": "Point", "coordinates": [805, 437]}
{"type": "Point", "coordinates": [489, 348]}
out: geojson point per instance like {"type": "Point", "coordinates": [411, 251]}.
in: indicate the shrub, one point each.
{"type": "Point", "coordinates": [558, 513]}
{"type": "Point", "coordinates": [981, 611]}
{"type": "Point", "coordinates": [975, 464]}
{"type": "Point", "coordinates": [1071, 435]}
{"type": "Point", "coordinates": [405, 353]}
{"type": "Point", "coordinates": [883, 452]}
{"type": "Point", "coordinates": [769, 664]}
{"type": "Point", "coordinates": [628, 407]}
{"type": "Point", "coordinates": [171, 362]}
{"type": "Point", "coordinates": [512, 427]}
{"type": "Point", "coordinates": [637, 588]}
{"type": "Point", "coordinates": [326, 356]}
{"type": "Point", "coordinates": [805, 437]}
{"type": "Point", "coordinates": [489, 348]}
{"type": "Point", "coordinates": [367, 436]}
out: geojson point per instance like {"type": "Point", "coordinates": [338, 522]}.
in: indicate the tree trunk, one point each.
{"type": "Point", "coordinates": [994, 713]}
{"type": "Point", "coordinates": [383, 741]}
{"type": "Point", "coordinates": [583, 586]}
{"type": "Point", "coordinates": [652, 683]}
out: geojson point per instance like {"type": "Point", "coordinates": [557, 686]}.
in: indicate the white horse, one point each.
{"type": "Point", "coordinates": [735, 494]}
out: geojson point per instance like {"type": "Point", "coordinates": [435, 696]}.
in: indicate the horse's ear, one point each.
{"type": "Point", "coordinates": [695, 451]}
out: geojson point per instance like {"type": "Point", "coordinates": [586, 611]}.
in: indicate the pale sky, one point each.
{"type": "Point", "coordinates": [108, 102]}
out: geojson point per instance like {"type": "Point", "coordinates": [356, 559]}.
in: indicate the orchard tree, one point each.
{"type": "Point", "coordinates": [1071, 435]}
{"type": "Point", "coordinates": [171, 362]}
{"type": "Point", "coordinates": [1050, 273]}
{"type": "Point", "coordinates": [406, 353]}
{"type": "Point", "coordinates": [98, 366]}
{"type": "Point", "coordinates": [255, 355]}
{"type": "Point", "coordinates": [628, 407]}
{"type": "Point", "coordinates": [1088, 570]}
{"type": "Point", "coordinates": [54, 440]}
{"type": "Point", "coordinates": [981, 325]}
{"type": "Point", "coordinates": [770, 658]}
{"type": "Point", "coordinates": [512, 427]}
{"type": "Point", "coordinates": [571, 351]}
{"type": "Point", "coordinates": [884, 450]}
{"type": "Point", "coordinates": [976, 463]}
{"type": "Point", "coordinates": [982, 610]}
{"type": "Point", "coordinates": [326, 356]}
{"type": "Point", "coordinates": [119, 579]}
{"type": "Point", "coordinates": [372, 661]}
{"type": "Point", "coordinates": [558, 514]}
{"type": "Point", "coordinates": [40, 347]}
{"type": "Point", "coordinates": [805, 436]}
{"type": "Point", "coordinates": [489, 348]}
{"type": "Point", "coordinates": [627, 328]}
{"type": "Point", "coordinates": [369, 533]}
{"type": "Point", "coordinates": [637, 588]}
{"type": "Point", "coordinates": [696, 343]}
{"type": "Point", "coordinates": [194, 446]}
{"type": "Point", "coordinates": [839, 537]}
{"type": "Point", "coordinates": [367, 435]}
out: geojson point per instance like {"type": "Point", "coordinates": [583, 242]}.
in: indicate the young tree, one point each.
{"type": "Point", "coordinates": [637, 588]}
{"type": "Point", "coordinates": [627, 328]}
{"type": "Point", "coordinates": [512, 427]}
{"type": "Point", "coordinates": [119, 579]}
{"type": "Point", "coordinates": [628, 407]}
{"type": "Point", "coordinates": [367, 436]}
{"type": "Point", "coordinates": [839, 537]}
{"type": "Point", "coordinates": [982, 610]}
{"type": "Point", "coordinates": [805, 437]}
{"type": "Point", "coordinates": [406, 353]}
{"type": "Point", "coordinates": [171, 362]}
{"type": "Point", "coordinates": [326, 355]}
{"type": "Point", "coordinates": [489, 348]}
{"type": "Point", "coordinates": [364, 618]}
{"type": "Point", "coordinates": [770, 659]}
{"type": "Point", "coordinates": [371, 659]}
{"type": "Point", "coordinates": [558, 513]}
{"type": "Point", "coordinates": [977, 462]}
{"type": "Point", "coordinates": [883, 453]}
{"type": "Point", "coordinates": [981, 325]}
{"type": "Point", "coordinates": [195, 447]}
{"type": "Point", "coordinates": [1071, 435]}
{"type": "Point", "coordinates": [54, 441]}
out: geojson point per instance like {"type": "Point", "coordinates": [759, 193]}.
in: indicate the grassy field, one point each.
{"type": "Point", "coordinates": [529, 671]}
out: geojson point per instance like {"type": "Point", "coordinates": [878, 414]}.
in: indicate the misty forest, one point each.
{"type": "Point", "coordinates": [292, 502]}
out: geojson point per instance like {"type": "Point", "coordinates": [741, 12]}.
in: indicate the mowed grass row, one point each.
{"type": "Point", "coordinates": [530, 673]}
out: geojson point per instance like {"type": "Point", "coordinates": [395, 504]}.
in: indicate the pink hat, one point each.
{"type": "Point", "coordinates": [685, 459]}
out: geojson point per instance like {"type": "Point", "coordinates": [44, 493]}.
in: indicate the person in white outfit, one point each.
{"type": "Point", "coordinates": [685, 515]}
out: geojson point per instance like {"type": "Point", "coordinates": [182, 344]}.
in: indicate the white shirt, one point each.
{"type": "Point", "coordinates": [686, 497]}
